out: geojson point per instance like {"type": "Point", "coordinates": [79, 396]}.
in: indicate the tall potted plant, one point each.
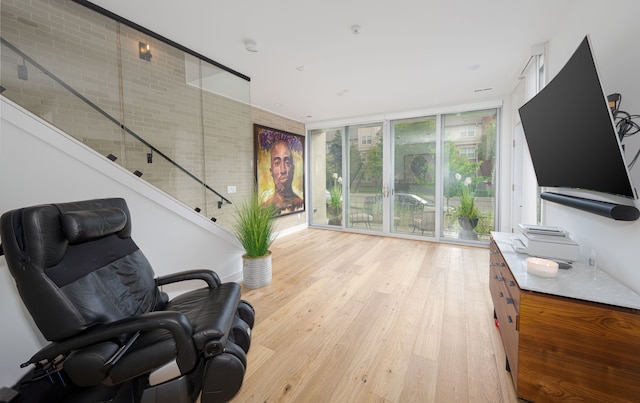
{"type": "Point", "coordinates": [254, 229]}
{"type": "Point", "coordinates": [468, 214]}
{"type": "Point", "coordinates": [334, 203]}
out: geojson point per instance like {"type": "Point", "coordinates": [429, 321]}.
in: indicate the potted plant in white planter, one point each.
{"type": "Point", "coordinates": [254, 229]}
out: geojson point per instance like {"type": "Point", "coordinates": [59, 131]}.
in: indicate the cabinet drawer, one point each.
{"type": "Point", "coordinates": [506, 299]}
{"type": "Point", "coordinates": [495, 277]}
{"type": "Point", "coordinates": [494, 284]}
{"type": "Point", "coordinates": [510, 338]}
{"type": "Point", "coordinates": [510, 287]}
{"type": "Point", "coordinates": [501, 275]}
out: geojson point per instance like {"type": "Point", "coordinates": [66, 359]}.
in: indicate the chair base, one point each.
{"type": "Point", "coordinates": [222, 378]}
{"type": "Point", "coordinates": [178, 390]}
{"type": "Point", "coordinates": [57, 388]}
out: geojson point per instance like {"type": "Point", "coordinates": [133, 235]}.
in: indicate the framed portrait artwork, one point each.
{"type": "Point", "coordinates": [280, 169]}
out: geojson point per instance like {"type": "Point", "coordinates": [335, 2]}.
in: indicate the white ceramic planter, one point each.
{"type": "Point", "coordinates": [256, 271]}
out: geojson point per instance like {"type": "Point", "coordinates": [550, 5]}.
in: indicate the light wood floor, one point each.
{"type": "Point", "coordinates": [359, 318]}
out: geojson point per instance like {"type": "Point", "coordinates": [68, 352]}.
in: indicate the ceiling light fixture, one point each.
{"type": "Point", "coordinates": [355, 29]}
{"type": "Point", "coordinates": [251, 46]}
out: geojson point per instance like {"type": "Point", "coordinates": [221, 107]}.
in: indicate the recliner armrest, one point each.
{"type": "Point", "coordinates": [174, 322]}
{"type": "Point", "coordinates": [208, 276]}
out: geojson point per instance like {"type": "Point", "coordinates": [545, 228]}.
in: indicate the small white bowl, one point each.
{"type": "Point", "coordinates": [542, 267]}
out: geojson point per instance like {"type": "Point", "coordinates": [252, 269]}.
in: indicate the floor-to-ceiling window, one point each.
{"type": "Point", "coordinates": [425, 176]}
{"type": "Point", "coordinates": [326, 176]}
{"type": "Point", "coordinates": [468, 174]}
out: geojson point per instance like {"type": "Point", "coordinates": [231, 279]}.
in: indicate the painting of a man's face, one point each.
{"type": "Point", "coordinates": [282, 168]}
{"type": "Point", "coordinates": [279, 183]}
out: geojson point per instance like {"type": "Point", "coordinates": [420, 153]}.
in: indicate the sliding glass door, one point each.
{"type": "Point", "coordinates": [364, 187]}
{"type": "Point", "coordinates": [347, 177]}
{"type": "Point", "coordinates": [414, 176]}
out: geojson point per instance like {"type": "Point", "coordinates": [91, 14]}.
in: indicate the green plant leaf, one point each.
{"type": "Point", "coordinates": [254, 225]}
{"type": "Point", "coordinates": [467, 208]}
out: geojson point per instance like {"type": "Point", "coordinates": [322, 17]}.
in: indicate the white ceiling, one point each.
{"type": "Point", "coordinates": [409, 55]}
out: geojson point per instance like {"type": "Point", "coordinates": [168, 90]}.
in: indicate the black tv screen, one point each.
{"type": "Point", "coordinates": [571, 134]}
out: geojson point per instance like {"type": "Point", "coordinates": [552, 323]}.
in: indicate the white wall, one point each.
{"type": "Point", "coordinates": [39, 164]}
{"type": "Point", "coordinates": [614, 31]}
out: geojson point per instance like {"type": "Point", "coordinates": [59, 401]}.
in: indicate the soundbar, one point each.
{"type": "Point", "coordinates": [615, 211]}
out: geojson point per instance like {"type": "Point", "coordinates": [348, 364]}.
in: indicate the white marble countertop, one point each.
{"type": "Point", "coordinates": [579, 282]}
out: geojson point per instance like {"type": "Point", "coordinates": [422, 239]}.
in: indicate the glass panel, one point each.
{"type": "Point", "coordinates": [414, 165]}
{"type": "Point", "coordinates": [227, 127]}
{"type": "Point", "coordinates": [129, 96]}
{"type": "Point", "coordinates": [163, 117]}
{"type": "Point", "coordinates": [364, 203]}
{"type": "Point", "coordinates": [326, 182]}
{"type": "Point", "coordinates": [469, 158]}
{"type": "Point", "coordinates": [58, 73]}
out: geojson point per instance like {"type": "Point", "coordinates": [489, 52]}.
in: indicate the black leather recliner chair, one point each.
{"type": "Point", "coordinates": [93, 295]}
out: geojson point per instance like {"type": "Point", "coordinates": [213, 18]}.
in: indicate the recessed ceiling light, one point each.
{"type": "Point", "coordinates": [483, 89]}
{"type": "Point", "coordinates": [277, 105]}
{"type": "Point", "coordinates": [300, 68]}
{"type": "Point", "coordinates": [474, 67]}
{"type": "Point", "coordinates": [251, 46]}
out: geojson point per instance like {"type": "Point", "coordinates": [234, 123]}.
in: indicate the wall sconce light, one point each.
{"type": "Point", "coordinates": [112, 157]}
{"type": "Point", "coordinates": [23, 74]}
{"type": "Point", "coordinates": [197, 209]}
{"type": "Point", "coordinates": [214, 219]}
{"type": "Point", "coordinates": [137, 173]}
{"type": "Point", "coordinates": [145, 51]}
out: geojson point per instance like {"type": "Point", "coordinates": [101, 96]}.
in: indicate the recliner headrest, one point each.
{"type": "Point", "coordinates": [39, 235]}
{"type": "Point", "coordinates": [83, 225]}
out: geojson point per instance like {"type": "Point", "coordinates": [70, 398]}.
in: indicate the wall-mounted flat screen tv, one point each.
{"type": "Point", "coordinates": [571, 133]}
